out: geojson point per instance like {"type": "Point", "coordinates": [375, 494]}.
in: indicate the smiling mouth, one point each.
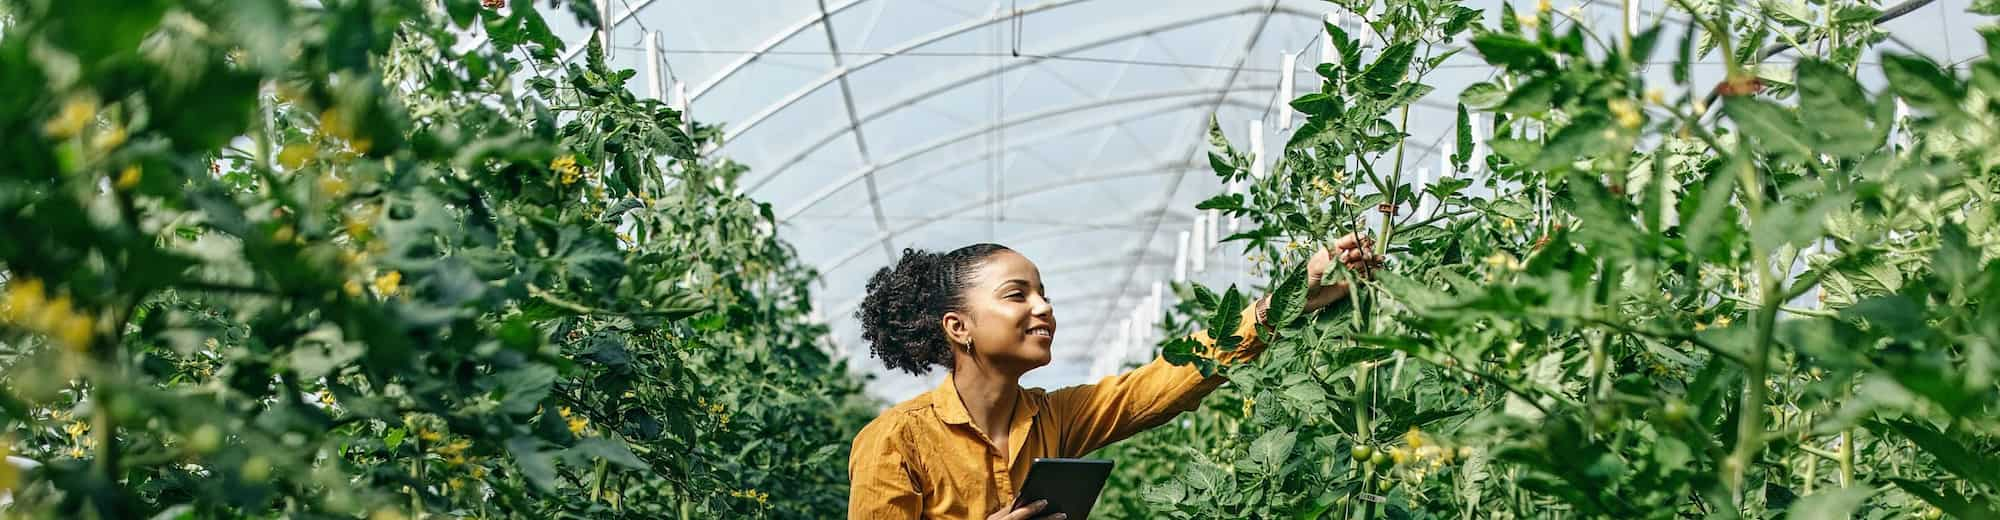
{"type": "Point", "coordinates": [1042, 332]}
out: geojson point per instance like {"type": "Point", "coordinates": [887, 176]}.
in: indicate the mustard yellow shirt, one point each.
{"type": "Point", "coordinates": [924, 458]}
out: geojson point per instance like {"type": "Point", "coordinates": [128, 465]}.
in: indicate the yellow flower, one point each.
{"type": "Point", "coordinates": [70, 120]}
{"type": "Point", "coordinates": [109, 139]}
{"type": "Point", "coordinates": [128, 178]}
{"type": "Point", "coordinates": [75, 331]}
{"type": "Point", "coordinates": [1542, 6]}
{"type": "Point", "coordinates": [1415, 437]}
{"type": "Point", "coordinates": [10, 476]}
{"type": "Point", "coordinates": [454, 484]}
{"type": "Point", "coordinates": [1507, 223]}
{"type": "Point", "coordinates": [577, 425]}
{"type": "Point", "coordinates": [566, 165]}
{"type": "Point", "coordinates": [1698, 326]}
{"type": "Point", "coordinates": [1528, 21]}
{"type": "Point", "coordinates": [77, 452]}
{"type": "Point", "coordinates": [295, 155]}
{"type": "Point", "coordinates": [388, 284]}
{"type": "Point", "coordinates": [478, 472]}
{"type": "Point", "coordinates": [1626, 112]}
{"type": "Point", "coordinates": [352, 288]}
{"type": "Point", "coordinates": [455, 447]}
{"type": "Point", "coordinates": [77, 429]}
{"type": "Point", "coordinates": [429, 435]}
{"type": "Point", "coordinates": [1722, 321]}
{"type": "Point", "coordinates": [325, 397]}
{"type": "Point", "coordinates": [332, 186]}
{"type": "Point", "coordinates": [334, 124]}
{"type": "Point", "coordinates": [1502, 260]}
{"type": "Point", "coordinates": [1656, 96]}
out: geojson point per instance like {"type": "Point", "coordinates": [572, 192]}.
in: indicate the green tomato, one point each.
{"type": "Point", "coordinates": [1931, 513]}
{"type": "Point", "coordinates": [1676, 411]}
{"type": "Point", "coordinates": [1384, 485]}
{"type": "Point", "coordinates": [1361, 452]}
{"type": "Point", "coordinates": [1380, 460]}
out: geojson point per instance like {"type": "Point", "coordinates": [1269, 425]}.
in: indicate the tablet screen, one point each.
{"type": "Point", "coordinates": [1070, 485]}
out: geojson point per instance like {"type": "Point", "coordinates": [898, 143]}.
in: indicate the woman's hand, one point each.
{"type": "Point", "coordinates": [1026, 512]}
{"type": "Point", "coordinates": [1354, 251]}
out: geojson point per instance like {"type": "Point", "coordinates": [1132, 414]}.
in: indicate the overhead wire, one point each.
{"type": "Point", "coordinates": [969, 54]}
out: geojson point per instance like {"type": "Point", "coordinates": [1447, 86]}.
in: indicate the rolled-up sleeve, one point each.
{"type": "Point", "coordinates": [883, 487]}
{"type": "Point", "coordinates": [1120, 406]}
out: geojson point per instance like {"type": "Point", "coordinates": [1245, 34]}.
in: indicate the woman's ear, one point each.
{"type": "Point", "coordinates": [956, 328]}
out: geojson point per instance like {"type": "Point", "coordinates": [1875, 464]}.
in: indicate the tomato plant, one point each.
{"type": "Point", "coordinates": [267, 259]}
{"type": "Point", "coordinates": [1749, 300]}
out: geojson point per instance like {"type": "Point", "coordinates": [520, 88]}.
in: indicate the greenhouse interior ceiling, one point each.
{"type": "Point", "coordinates": [1073, 131]}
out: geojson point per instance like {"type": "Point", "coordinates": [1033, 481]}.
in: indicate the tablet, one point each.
{"type": "Point", "coordinates": [1070, 485]}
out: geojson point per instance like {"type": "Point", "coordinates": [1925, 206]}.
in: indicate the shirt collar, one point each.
{"type": "Point", "coordinates": [951, 409]}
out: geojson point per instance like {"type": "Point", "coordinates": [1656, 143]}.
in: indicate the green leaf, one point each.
{"type": "Point", "coordinates": [1288, 300]}
{"type": "Point", "coordinates": [1515, 53]}
{"type": "Point", "coordinates": [1461, 148]}
{"type": "Point", "coordinates": [608, 450]}
{"type": "Point", "coordinates": [1834, 106]}
{"type": "Point", "coordinates": [1582, 139]}
{"type": "Point", "coordinates": [1462, 18]}
{"type": "Point", "coordinates": [1767, 124]}
{"type": "Point", "coordinates": [1530, 98]}
{"type": "Point", "coordinates": [1179, 351]}
{"type": "Point", "coordinates": [1482, 95]}
{"type": "Point", "coordinates": [1222, 166]}
{"type": "Point", "coordinates": [539, 467]}
{"type": "Point", "coordinates": [522, 389]}
{"type": "Point", "coordinates": [1520, 151]}
{"type": "Point", "coordinates": [1832, 503]}
{"type": "Point", "coordinates": [1949, 501]}
{"type": "Point", "coordinates": [1950, 455]}
{"type": "Point", "coordinates": [1383, 76]}
{"type": "Point", "coordinates": [1228, 316]}
{"type": "Point", "coordinates": [1267, 454]}
{"type": "Point", "coordinates": [1231, 202]}
{"type": "Point", "coordinates": [1922, 83]}
{"type": "Point", "coordinates": [1985, 7]}
{"type": "Point", "coordinates": [1316, 104]}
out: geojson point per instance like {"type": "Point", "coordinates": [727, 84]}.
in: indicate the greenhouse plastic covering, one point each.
{"type": "Point", "coordinates": [1070, 130]}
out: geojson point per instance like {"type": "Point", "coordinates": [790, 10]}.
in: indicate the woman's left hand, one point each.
{"type": "Point", "coordinates": [1354, 251]}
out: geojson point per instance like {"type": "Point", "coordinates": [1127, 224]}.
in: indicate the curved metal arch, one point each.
{"type": "Point", "coordinates": [934, 145]}
{"type": "Point", "coordinates": [824, 193]}
{"type": "Point", "coordinates": [961, 80]}
{"type": "Point", "coordinates": [1256, 33]}
{"type": "Point", "coordinates": [1172, 167]}
{"type": "Point", "coordinates": [1133, 218]}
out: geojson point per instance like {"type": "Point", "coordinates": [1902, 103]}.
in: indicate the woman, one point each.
{"type": "Point", "coordinates": [962, 450]}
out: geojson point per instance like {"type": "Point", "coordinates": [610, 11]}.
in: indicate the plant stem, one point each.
{"type": "Point", "coordinates": [1846, 457]}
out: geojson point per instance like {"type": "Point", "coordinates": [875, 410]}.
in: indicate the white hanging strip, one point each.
{"type": "Point", "coordinates": [1896, 134]}
{"type": "Point", "coordinates": [1214, 230]}
{"type": "Point", "coordinates": [1422, 207]}
{"type": "Point", "coordinates": [1153, 304]}
{"type": "Point", "coordinates": [1632, 17]}
{"type": "Point", "coordinates": [685, 105]}
{"type": "Point", "coordinates": [656, 83]}
{"type": "Point", "coordinates": [1286, 62]}
{"type": "Point", "coordinates": [1257, 148]}
{"type": "Point", "coordinates": [1328, 53]}
{"type": "Point", "coordinates": [604, 27]}
{"type": "Point", "coordinates": [1198, 244]}
{"type": "Point", "coordinates": [1235, 222]}
{"type": "Point", "coordinates": [1478, 144]}
{"type": "Point", "coordinates": [1181, 259]}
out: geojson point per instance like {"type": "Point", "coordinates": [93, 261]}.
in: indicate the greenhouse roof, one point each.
{"type": "Point", "coordinates": [1070, 130]}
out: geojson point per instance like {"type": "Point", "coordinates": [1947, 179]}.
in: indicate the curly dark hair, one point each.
{"type": "Point", "coordinates": [899, 316]}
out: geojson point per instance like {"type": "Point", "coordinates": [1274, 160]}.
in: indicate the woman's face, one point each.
{"type": "Point", "coordinates": [1007, 314]}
